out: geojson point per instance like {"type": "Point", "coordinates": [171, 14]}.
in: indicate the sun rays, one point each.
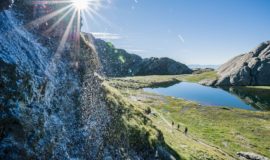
{"type": "Point", "coordinates": [63, 19]}
{"type": "Point", "coordinates": [80, 4]}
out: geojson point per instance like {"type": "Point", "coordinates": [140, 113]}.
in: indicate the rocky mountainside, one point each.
{"type": "Point", "coordinates": [252, 68]}
{"type": "Point", "coordinates": [119, 63]}
{"type": "Point", "coordinates": [53, 103]}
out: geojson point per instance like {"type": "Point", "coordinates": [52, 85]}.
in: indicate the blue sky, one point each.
{"type": "Point", "coordinates": [189, 31]}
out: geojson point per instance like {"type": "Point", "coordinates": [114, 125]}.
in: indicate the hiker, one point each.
{"type": "Point", "coordinates": [156, 155]}
{"type": "Point", "coordinates": [172, 123]}
{"type": "Point", "coordinates": [186, 131]}
{"type": "Point", "coordinates": [178, 127]}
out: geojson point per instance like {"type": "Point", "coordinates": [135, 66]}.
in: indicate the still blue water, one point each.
{"type": "Point", "coordinates": [202, 94]}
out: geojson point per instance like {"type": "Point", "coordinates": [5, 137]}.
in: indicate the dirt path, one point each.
{"type": "Point", "coordinates": [190, 137]}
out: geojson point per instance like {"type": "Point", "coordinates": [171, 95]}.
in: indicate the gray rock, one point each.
{"type": "Point", "coordinates": [250, 156]}
{"type": "Point", "coordinates": [252, 68]}
{"type": "Point", "coordinates": [54, 106]}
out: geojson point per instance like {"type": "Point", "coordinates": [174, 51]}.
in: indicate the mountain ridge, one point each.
{"type": "Point", "coordinates": [118, 62]}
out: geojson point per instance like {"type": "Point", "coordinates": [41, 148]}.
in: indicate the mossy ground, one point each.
{"type": "Point", "coordinates": [214, 132]}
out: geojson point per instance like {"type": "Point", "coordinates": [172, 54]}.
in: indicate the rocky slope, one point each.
{"type": "Point", "coordinates": [252, 68]}
{"type": "Point", "coordinates": [119, 63]}
{"type": "Point", "coordinates": [53, 104]}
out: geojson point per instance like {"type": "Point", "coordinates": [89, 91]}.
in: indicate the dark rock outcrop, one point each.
{"type": "Point", "coordinates": [5, 4]}
{"type": "Point", "coordinates": [162, 66]}
{"type": "Point", "coordinates": [119, 63]}
{"type": "Point", "coordinates": [252, 68]}
{"type": "Point", "coordinates": [250, 156]}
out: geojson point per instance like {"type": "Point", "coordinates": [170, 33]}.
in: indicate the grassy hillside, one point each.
{"type": "Point", "coordinates": [133, 129]}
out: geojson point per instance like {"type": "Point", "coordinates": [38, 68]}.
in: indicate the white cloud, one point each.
{"type": "Point", "coordinates": [181, 38]}
{"type": "Point", "coordinates": [106, 36]}
{"type": "Point", "coordinates": [136, 50]}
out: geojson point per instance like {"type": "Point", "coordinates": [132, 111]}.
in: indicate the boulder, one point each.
{"type": "Point", "coordinates": [250, 156]}
{"type": "Point", "coordinates": [252, 68]}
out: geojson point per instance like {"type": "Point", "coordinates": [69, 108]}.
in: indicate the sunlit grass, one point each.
{"type": "Point", "coordinates": [224, 130]}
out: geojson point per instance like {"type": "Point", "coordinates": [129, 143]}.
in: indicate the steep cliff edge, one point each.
{"type": "Point", "coordinates": [42, 99]}
{"type": "Point", "coordinates": [53, 104]}
{"type": "Point", "coordinates": [252, 68]}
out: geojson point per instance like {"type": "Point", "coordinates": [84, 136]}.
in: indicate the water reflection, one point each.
{"type": "Point", "coordinates": [236, 97]}
{"type": "Point", "coordinates": [257, 98]}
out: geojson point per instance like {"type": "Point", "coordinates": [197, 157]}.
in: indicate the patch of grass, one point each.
{"type": "Point", "coordinates": [214, 132]}
{"type": "Point", "coordinates": [259, 87]}
{"type": "Point", "coordinates": [138, 82]}
{"type": "Point", "coordinates": [203, 76]}
{"type": "Point", "coordinates": [133, 128]}
{"type": "Point", "coordinates": [232, 130]}
{"type": "Point", "coordinates": [229, 130]}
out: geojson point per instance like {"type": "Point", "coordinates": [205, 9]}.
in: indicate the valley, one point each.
{"type": "Point", "coordinates": [74, 89]}
{"type": "Point", "coordinates": [213, 132]}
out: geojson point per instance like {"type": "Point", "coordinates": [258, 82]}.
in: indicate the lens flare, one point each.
{"type": "Point", "coordinates": [63, 19]}
{"type": "Point", "coordinates": [80, 4]}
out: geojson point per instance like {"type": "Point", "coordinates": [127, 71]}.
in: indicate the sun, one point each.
{"type": "Point", "coordinates": [80, 4]}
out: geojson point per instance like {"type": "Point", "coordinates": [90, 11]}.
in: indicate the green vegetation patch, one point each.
{"type": "Point", "coordinates": [138, 82]}
{"type": "Point", "coordinates": [203, 76]}
{"type": "Point", "coordinates": [232, 130]}
{"type": "Point", "coordinates": [213, 132]}
{"type": "Point", "coordinates": [133, 128]}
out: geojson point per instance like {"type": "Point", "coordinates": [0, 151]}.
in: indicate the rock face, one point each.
{"type": "Point", "coordinates": [52, 105]}
{"type": "Point", "coordinates": [45, 111]}
{"type": "Point", "coordinates": [119, 63]}
{"type": "Point", "coordinates": [252, 68]}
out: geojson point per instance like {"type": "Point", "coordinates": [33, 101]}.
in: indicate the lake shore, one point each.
{"type": "Point", "coordinates": [213, 132]}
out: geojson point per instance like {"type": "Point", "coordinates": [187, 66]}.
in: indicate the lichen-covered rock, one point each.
{"type": "Point", "coordinates": [52, 105]}
{"type": "Point", "coordinates": [252, 68]}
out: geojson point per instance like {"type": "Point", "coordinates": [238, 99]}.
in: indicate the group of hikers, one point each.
{"type": "Point", "coordinates": [178, 128]}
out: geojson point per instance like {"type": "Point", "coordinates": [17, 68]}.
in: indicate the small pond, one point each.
{"type": "Point", "coordinates": [236, 97]}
